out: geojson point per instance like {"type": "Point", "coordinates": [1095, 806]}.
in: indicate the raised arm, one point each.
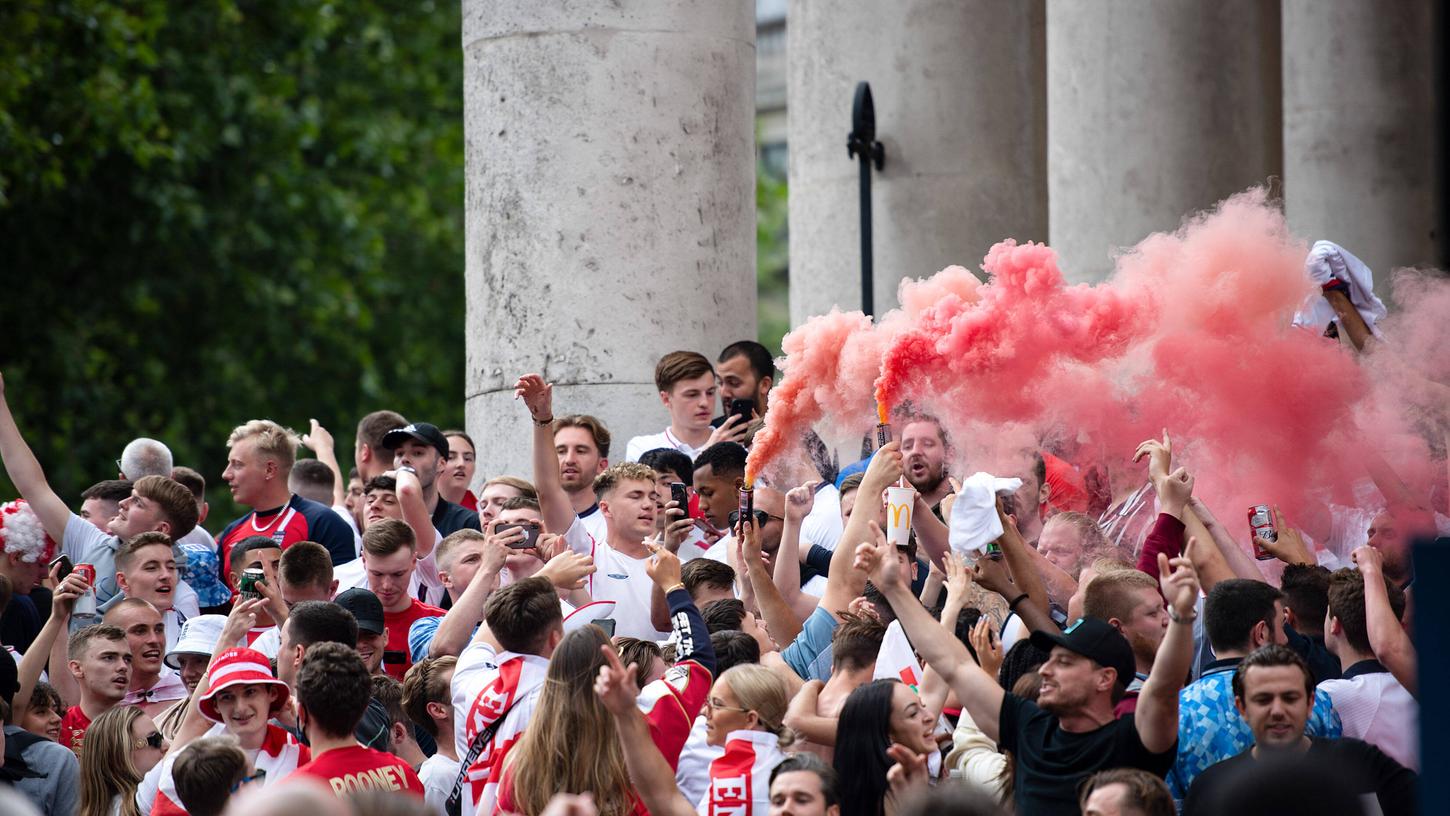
{"type": "Point", "coordinates": [1024, 570]}
{"type": "Point", "coordinates": [979, 693]}
{"type": "Point", "coordinates": [845, 582]}
{"type": "Point", "coordinates": [415, 512]}
{"type": "Point", "coordinates": [31, 665]}
{"type": "Point", "coordinates": [653, 779]}
{"type": "Point", "coordinates": [1234, 556]}
{"type": "Point", "coordinates": [786, 574]}
{"type": "Point", "coordinates": [1387, 638]}
{"type": "Point", "coordinates": [457, 625]}
{"type": "Point", "coordinates": [932, 535]}
{"type": "Point", "coordinates": [27, 475]}
{"type": "Point", "coordinates": [319, 440]}
{"type": "Point", "coordinates": [1349, 317]}
{"type": "Point", "coordinates": [779, 618]}
{"type": "Point", "coordinates": [538, 397]}
{"type": "Point", "coordinates": [1156, 717]}
{"type": "Point", "coordinates": [241, 619]}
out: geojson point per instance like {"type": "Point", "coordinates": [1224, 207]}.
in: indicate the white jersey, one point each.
{"type": "Point", "coordinates": [619, 578]}
{"type": "Point", "coordinates": [664, 439]}
{"type": "Point", "coordinates": [486, 686]}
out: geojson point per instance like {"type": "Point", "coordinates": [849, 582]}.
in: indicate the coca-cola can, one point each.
{"type": "Point", "coordinates": [86, 603]}
{"type": "Point", "coordinates": [1261, 526]}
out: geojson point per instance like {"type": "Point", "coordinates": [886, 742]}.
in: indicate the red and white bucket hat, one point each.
{"type": "Point", "coordinates": [240, 667]}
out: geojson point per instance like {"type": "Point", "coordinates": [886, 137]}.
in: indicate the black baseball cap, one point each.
{"type": "Point", "coordinates": [364, 606]}
{"type": "Point", "coordinates": [1095, 639]}
{"type": "Point", "coordinates": [424, 432]}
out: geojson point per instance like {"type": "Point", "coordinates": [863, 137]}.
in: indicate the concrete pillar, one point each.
{"type": "Point", "coordinates": [1360, 129]}
{"type": "Point", "coordinates": [959, 91]}
{"type": "Point", "coordinates": [610, 204]}
{"type": "Point", "coordinates": [1155, 110]}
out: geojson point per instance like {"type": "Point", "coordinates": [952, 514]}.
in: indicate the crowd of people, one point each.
{"type": "Point", "coordinates": [627, 635]}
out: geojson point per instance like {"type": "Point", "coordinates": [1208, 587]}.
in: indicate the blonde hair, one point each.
{"type": "Point", "coordinates": [107, 772]}
{"type": "Point", "coordinates": [606, 482]}
{"type": "Point", "coordinates": [759, 689]}
{"type": "Point", "coordinates": [579, 751]}
{"type": "Point", "coordinates": [271, 440]}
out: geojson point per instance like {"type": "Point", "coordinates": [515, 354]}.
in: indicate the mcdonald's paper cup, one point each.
{"type": "Point", "coordinates": [899, 504]}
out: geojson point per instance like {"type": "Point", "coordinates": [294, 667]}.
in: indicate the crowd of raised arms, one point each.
{"type": "Point", "coordinates": [618, 632]}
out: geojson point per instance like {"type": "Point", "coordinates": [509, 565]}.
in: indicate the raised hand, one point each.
{"type": "Point", "coordinates": [885, 468]}
{"type": "Point", "coordinates": [1290, 546]}
{"type": "Point", "coordinates": [663, 567]}
{"type": "Point", "coordinates": [1174, 492]}
{"type": "Point", "coordinates": [862, 608]}
{"type": "Point", "coordinates": [317, 439]}
{"type": "Point", "coordinates": [800, 500]}
{"type": "Point", "coordinates": [910, 772]}
{"type": "Point", "coordinates": [959, 579]}
{"type": "Point", "coordinates": [678, 528]}
{"type": "Point", "coordinates": [1160, 457]}
{"type": "Point", "coordinates": [538, 396]}
{"type": "Point", "coordinates": [731, 430]}
{"type": "Point", "coordinates": [63, 599]}
{"type": "Point", "coordinates": [1369, 560]}
{"type": "Point", "coordinates": [616, 685]}
{"type": "Point", "coordinates": [568, 569]}
{"type": "Point", "coordinates": [241, 620]}
{"type": "Point", "coordinates": [874, 557]}
{"type": "Point", "coordinates": [994, 576]}
{"type": "Point", "coordinates": [1180, 580]}
{"type": "Point", "coordinates": [989, 648]}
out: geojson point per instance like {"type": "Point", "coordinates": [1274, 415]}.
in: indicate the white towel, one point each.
{"type": "Point", "coordinates": [1328, 261]}
{"type": "Point", "coordinates": [974, 521]}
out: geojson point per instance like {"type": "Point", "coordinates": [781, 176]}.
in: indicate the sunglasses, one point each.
{"type": "Point", "coordinates": [152, 740]}
{"type": "Point", "coordinates": [761, 518]}
{"type": "Point", "coordinates": [259, 776]}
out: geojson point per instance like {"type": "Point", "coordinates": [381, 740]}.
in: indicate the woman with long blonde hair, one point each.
{"type": "Point", "coordinates": [122, 745]}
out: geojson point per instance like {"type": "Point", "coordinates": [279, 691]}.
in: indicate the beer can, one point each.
{"type": "Point", "coordinates": [247, 584]}
{"type": "Point", "coordinates": [1261, 526]}
{"type": "Point", "coordinates": [86, 604]}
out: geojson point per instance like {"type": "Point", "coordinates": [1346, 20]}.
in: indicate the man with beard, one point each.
{"type": "Point", "coordinates": [581, 443]}
{"type": "Point", "coordinates": [1070, 732]}
{"type": "Point", "coordinates": [1129, 601]}
{"type": "Point", "coordinates": [924, 449]}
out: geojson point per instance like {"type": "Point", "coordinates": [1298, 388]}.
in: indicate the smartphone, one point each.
{"type": "Point", "coordinates": [743, 408]}
{"type": "Point", "coordinates": [66, 567]}
{"type": "Point", "coordinates": [531, 535]}
{"type": "Point", "coordinates": [681, 496]}
{"type": "Point", "coordinates": [607, 624]}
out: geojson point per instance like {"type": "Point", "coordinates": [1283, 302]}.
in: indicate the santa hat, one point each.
{"type": "Point", "coordinates": [21, 532]}
{"type": "Point", "coordinates": [240, 667]}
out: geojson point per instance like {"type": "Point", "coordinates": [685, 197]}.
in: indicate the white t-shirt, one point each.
{"type": "Point", "coordinates": [425, 574]}
{"type": "Point", "coordinates": [693, 774]}
{"type": "Point", "coordinates": [595, 524]}
{"type": "Point", "coordinates": [822, 526]}
{"type": "Point", "coordinates": [664, 439]}
{"type": "Point", "coordinates": [619, 578]}
{"type": "Point", "coordinates": [437, 774]}
{"type": "Point", "coordinates": [341, 510]}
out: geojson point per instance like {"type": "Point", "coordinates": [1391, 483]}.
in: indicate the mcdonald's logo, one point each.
{"type": "Point", "coordinates": [897, 510]}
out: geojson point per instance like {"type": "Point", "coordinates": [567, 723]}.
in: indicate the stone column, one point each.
{"type": "Point", "coordinates": [1155, 110]}
{"type": "Point", "coordinates": [959, 92]}
{"type": "Point", "coordinates": [1360, 129]}
{"type": "Point", "coordinates": [610, 204]}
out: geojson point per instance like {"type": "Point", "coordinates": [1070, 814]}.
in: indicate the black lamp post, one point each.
{"type": "Point", "coordinates": [861, 144]}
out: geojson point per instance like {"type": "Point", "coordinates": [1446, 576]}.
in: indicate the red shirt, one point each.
{"type": "Point", "coordinates": [73, 728]}
{"type": "Point", "coordinates": [355, 768]}
{"type": "Point", "coordinates": [397, 624]}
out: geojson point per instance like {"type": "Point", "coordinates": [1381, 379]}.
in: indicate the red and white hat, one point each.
{"type": "Point", "coordinates": [240, 667]}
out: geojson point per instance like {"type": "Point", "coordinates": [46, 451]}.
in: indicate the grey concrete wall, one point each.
{"type": "Point", "coordinates": [1360, 129]}
{"type": "Point", "coordinates": [1155, 110]}
{"type": "Point", "coordinates": [610, 203]}
{"type": "Point", "coordinates": [959, 91]}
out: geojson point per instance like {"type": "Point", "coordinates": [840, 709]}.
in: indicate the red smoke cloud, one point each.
{"type": "Point", "coordinates": [1192, 333]}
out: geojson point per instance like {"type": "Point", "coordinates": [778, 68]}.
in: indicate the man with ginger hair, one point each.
{"type": "Point", "coordinates": [258, 464]}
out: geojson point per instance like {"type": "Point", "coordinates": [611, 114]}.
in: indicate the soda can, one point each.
{"type": "Point", "coordinates": [1261, 526]}
{"type": "Point", "coordinates": [86, 604]}
{"type": "Point", "coordinates": [247, 584]}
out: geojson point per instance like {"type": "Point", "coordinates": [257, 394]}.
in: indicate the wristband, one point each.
{"type": "Point", "coordinates": [1176, 618]}
{"type": "Point", "coordinates": [1012, 604]}
{"type": "Point", "coordinates": [673, 588]}
{"type": "Point", "coordinates": [544, 422]}
{"type": "Point", "coordinates": [1336, 285]}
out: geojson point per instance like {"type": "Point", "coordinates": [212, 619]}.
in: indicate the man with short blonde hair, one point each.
{"type": "Point", "coordinates": [258, 465]}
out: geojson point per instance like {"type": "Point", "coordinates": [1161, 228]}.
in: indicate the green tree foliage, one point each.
{"type": "Point", "coordinates": [219, 210]}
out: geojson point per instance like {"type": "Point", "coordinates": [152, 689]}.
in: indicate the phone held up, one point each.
{"type": "Point", "coordinates": [530, 539]}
